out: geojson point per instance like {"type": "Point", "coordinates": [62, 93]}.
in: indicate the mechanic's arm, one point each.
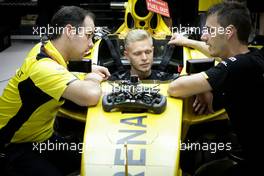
{"type": "Point", "coordinates": [102, 71]}
{"type": "Point", "coordinates": [186, 86]}
{"type": "Point", "coordinates": [178, 39]}
{"type": "Point", "coordinates": [85, 92]}
{"type": "Point", "coordinates": [203, 103]}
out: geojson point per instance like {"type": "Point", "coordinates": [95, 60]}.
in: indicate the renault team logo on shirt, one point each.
{"type": "Point", "coordinates": [233, 59]}
{"type": "Point", "coordinates": [224, 63]}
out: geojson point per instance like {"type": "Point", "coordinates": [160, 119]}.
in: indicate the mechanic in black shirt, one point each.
{"type": "Point", "coordinates": [139, 51]}
{"type": "Point", "coordinates": [240, 77]}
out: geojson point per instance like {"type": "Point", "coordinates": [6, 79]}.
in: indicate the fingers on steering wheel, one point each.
{"type": "Point", "coordinates": [195, 103]}
{"type": "Point", "coordinates": [197, 107]}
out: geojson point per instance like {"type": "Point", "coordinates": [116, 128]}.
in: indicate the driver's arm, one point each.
{"type": "Point", "coordinates": [186, 86]}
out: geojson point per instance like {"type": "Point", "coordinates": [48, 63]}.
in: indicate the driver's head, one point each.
{"type": "Point", "coordinates": [139, 52]}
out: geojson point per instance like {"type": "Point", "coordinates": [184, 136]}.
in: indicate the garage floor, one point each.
{"type": "Point", "coordinates": [11, 59]}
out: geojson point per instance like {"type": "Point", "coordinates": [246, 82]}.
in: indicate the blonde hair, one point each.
{"type": "Point", "coordinates": [137, 35]}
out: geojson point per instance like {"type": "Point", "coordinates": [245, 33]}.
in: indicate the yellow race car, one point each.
{"type": "Point", "coordinates": [130, 142]}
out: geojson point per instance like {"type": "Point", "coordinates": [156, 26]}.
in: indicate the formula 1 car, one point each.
{"type": "Point", "coordinates": [144, 140]}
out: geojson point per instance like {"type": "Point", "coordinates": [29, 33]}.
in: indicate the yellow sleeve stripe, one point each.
{"type": "Point", "coordinates": [205, 75]}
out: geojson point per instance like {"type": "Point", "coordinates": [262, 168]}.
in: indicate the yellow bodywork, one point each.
{"type": "Point", "coordinates": [162, 135]}
{"type": "Point", "coordinates": [204, 5]}
{"type": "Point", "coordinates": [160, 32]}
{"type": "Point", "coordinates": [109, 142]}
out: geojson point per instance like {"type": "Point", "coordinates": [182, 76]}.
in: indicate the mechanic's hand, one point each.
{"type": "Point", "coordinates": [178, 39]}
{"type": "Point", "coordinates": [102, 71]}
{"type": "Point", "coordinates": [94, 77]}
{"type": "Point", "coordinates": [203, 103]}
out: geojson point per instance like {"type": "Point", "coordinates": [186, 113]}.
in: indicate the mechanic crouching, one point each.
{"type": "Point", "coordinates": [30, 101]}
{"type": "Point", "coordinates": [239, 77]}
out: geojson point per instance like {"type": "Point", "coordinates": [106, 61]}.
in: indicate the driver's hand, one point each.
{"type": "Point", "coordinates": [203, 103]}
{"type": "Point", "coordinates": [178, 39]}
{"type": "Point", "coordinates": [102, 71]}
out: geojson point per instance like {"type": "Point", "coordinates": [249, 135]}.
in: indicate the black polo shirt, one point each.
{"type": "Point", "coordinates": [241, 80]}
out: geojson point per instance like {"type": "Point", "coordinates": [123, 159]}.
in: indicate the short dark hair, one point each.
{"type": "Point", "coordinates": [72, 15]}
{"type": "Point", "coordinates": [234, 13]}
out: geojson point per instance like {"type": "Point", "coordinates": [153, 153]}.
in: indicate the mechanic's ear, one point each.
{"type": "Point", "coordinates": [68, 30]}
{"type": "Point", "coordinates": [230, 30]}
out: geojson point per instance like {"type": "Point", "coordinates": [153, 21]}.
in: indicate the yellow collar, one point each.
{"type": "Point", "coordinates": [54, 53]}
